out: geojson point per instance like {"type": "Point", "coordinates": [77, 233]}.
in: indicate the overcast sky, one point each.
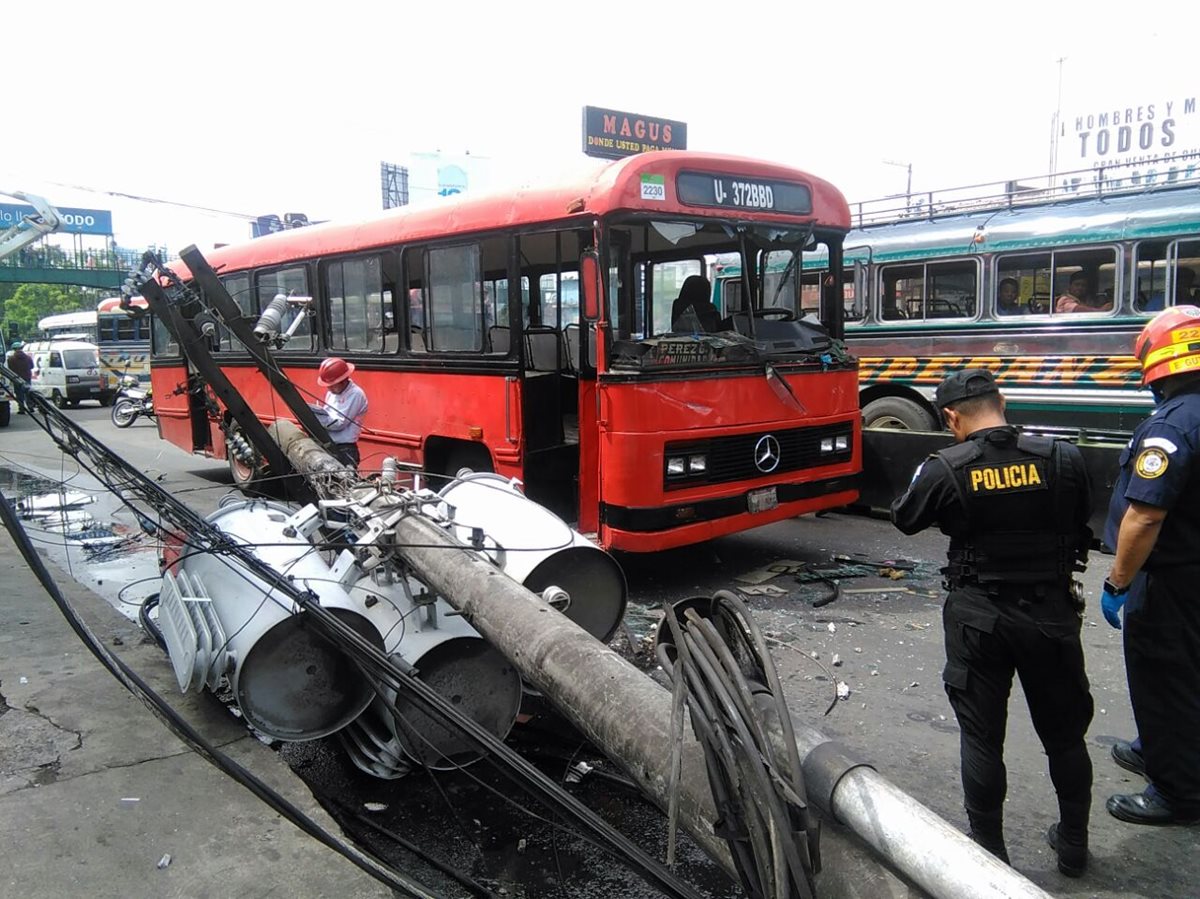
{"type": "Point", "coordinates": [256, 107]}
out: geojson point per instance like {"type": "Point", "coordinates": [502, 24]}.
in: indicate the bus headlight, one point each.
{"type": "Point", "coordinates": [676, 465]}
{"type": "Point", "coordinates": [72, 379]}
{"type": "Point", "coordinates": [826, 444]}
{"type": "Point", "coordinates": [697, 464]}
{"type": "Point", "coordinates": [842, 442]}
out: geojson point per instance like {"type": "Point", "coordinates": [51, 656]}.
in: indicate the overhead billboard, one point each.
{"type": "Point", "coordinates": [611, 134]}
{"type": "Point", "coordinates": [1154, 138]}
{"type": "Point", "coordinates": [74, 221]}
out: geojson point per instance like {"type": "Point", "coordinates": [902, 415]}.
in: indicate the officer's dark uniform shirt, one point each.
{"type": "Point", "coordinates": [1157, 469]}
{"type": "Point", "coordinates": [1017, 521]}
{"type": "Point", "coordinates": [1006, 484]}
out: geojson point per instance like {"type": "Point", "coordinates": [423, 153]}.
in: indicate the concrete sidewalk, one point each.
{"type": "Point", "coordinates": [95, 790]}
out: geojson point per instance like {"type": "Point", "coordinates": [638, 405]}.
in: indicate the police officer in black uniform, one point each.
{"type": "Point", "coordinates": [1016, 509]}
{"type": "Point", "coordinates": [1154, 526]}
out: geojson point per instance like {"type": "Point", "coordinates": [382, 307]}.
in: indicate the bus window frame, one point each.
{"type": "Point", "coordinates": [1170, 261]}
{"type": "Point", "coordinates": [325, 303]}
{"type": "Point", "coordinates": [293, 347]}
{"type": "Point", "coordinates": [1119, 293]}
{"type": "Point", "coordinates": [924, 321]}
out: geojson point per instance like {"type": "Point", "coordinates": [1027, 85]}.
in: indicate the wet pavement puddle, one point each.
{"type": "Point", "coordinates": [78, 525]}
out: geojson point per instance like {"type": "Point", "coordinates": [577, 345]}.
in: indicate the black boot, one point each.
{"type": "Point", "coordinates": [988, 832]}
{"type": "Point", "coordinates": [1069, 838]}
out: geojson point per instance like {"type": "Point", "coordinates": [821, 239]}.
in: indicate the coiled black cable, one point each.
{"type": "Point", "coordinates": [733, 691]}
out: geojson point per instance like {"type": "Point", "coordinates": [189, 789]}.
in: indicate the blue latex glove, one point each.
{"type": "Point", "coordinates": [1111, 605]}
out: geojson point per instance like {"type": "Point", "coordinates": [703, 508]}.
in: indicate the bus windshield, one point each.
{"type": "Point", "coordinates": [661, 292]}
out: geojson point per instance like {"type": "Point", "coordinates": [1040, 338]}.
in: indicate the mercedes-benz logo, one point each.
{"type": "Point", "coordinates": [766, 454]}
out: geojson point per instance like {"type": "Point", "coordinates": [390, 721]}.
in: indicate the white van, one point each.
{"type": "Point", "coordinates": [67, 371]}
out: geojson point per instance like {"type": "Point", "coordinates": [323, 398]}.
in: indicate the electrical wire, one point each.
{"type": "Point", "coordinates": [128, 483]}
{"type": "Point", "coordinates": [724, 669]}
{"type": "Point", "coordinates": [392, 878]}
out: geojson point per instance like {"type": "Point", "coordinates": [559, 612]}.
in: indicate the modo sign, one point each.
{"type": "Point", "coordinates": [74, 221]}
{"type": "Point", "coordinates": [611, 134]}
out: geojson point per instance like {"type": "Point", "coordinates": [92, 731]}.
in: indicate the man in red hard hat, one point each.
{"type": "Point", "coordinates": [1154, 529]}
{"type": "Point", "coordinates": [345, 406]}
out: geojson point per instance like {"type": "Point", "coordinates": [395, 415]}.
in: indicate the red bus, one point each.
{"type": "Point", "coordinates": [540, 334]}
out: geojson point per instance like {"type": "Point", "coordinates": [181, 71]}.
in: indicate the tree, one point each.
{"type": "Point", "coordinates": [32, 302]}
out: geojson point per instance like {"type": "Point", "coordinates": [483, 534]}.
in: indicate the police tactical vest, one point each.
{"type": "Point", "coordinates": [1021, 511]}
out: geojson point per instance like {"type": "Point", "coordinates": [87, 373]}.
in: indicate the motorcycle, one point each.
{"type": "Point", "coordinates": [131, 402]}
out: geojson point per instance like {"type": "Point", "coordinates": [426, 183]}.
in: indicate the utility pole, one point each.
{"type": "Point", "coordinates": [908, 185]}
{"type": "Point", "coordinates": [1056, 124]}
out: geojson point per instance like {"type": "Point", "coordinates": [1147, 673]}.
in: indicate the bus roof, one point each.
{"type": "Point", "coordinates": [614, 187]}
{"type": "Point", "coordinates": [113, 304]}
{"type": "Point", "coordinates": [1087, 220]}
{"type": "Point", "coordinates": [67, 320]}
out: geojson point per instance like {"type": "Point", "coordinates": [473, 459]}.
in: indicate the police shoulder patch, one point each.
{"type": "Point", "coordinates": [1151, 463]}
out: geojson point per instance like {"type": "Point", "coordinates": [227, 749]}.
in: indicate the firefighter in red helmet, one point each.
{"type": "Point", "coordinates": [345, 407]}
{"type": "Point", "coordinates": [1154, 528]}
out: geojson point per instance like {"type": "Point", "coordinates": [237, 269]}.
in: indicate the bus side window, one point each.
{"type": "Point", "coordinates": [354, 292]}
{"type": "Point", "coordinates": [292, 283]}
{"type": "Point", "coordinates": [238, 288]}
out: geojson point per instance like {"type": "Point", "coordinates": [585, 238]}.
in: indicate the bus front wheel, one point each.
{"type": "Point", "coordinates": [897, 414]}
{"type": "Point", "coordinates": [466, 458]}
{"type": "Point", "coordinates": [59, 400]}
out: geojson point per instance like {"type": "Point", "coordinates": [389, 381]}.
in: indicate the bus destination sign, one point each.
{"type": "Point", "coordinates": [731, 191]}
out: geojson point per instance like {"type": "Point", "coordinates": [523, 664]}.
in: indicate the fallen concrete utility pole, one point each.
{"type": "Point", "coordinates": [627, 715]}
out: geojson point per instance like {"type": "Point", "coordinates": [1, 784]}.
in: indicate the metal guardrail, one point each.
{"type": "Point", "coordinates": [1034, 191]}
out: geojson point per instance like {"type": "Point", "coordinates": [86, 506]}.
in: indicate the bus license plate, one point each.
{"type": "Point", "coordinates": [762, 500]}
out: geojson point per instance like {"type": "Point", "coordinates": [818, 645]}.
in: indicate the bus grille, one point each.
{"type": "Point", "coordinates": [733, 458]}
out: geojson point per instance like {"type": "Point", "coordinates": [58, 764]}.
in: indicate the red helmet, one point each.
{"type": "Point", "coordinates": [1169, 344]}
{"type": "Point", "coordinates": [333, 371]}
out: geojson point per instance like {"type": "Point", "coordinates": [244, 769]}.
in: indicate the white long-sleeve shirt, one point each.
{"type": "Point", "coordinates": [345, 412]}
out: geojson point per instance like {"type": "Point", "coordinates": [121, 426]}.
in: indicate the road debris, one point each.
{"type": "Point", "coordinates": [762, 590]}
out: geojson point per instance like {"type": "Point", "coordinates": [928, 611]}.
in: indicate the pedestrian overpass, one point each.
{"type": "Point", "coordinates": [41, 264]}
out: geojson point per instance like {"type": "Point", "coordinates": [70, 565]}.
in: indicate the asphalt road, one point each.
{"type": "Point", "coordinates": [882, 638]}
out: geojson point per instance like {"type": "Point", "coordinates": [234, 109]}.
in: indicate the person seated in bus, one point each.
{"type": "Point", "coordinates": [1008, 297]}
{"type": "Point", "coordinates": [693, 309]}
{"type": "Point", "coordinates": [1080, 297]}
{"type": "Point", "coordinates": [1185, 278]}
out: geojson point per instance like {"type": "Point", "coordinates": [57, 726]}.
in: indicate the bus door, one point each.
{"type": "Point", "coordinates": [550, 331]}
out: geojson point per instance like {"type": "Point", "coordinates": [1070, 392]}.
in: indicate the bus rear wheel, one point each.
{"type": "Point", "coordinates": [896, 413]}
{"type": "Point", "coordinates": [247, 476]}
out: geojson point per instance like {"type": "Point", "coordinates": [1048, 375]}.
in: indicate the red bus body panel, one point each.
{"type": "Point", "coordinates": [639, 419]}
{"type": "Point", "coordinates": [625, 418]}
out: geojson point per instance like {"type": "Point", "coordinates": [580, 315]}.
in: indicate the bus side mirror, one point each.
{"type": "Point", "coordinates": [589, 279]}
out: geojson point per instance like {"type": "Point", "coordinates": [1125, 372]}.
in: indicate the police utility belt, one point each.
{"type": "Point", "coordinates": [1013, 559]}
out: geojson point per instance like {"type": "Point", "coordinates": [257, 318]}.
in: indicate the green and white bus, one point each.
{"type": "Point", "coordinates": [922, 294]}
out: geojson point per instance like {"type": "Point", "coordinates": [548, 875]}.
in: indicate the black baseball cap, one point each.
{"type": "Point", "coordinates": [965, 384]}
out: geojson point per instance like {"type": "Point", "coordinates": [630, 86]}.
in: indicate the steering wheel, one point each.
{"type": "Point", "coordinates": [784, 315]}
